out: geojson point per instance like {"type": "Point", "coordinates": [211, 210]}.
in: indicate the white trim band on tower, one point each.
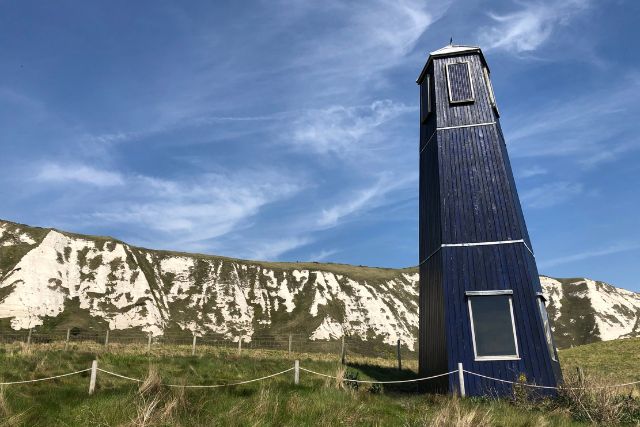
{"type": "Point", "coordinates": [454, 127]}
{"type": "Point", "coordinates": [467, 126]}
{"type": "Point", "coordinates": [458, 245]}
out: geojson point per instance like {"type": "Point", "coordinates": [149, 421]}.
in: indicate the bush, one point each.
{"type": "Point", "coordinates": [351, 375]}
{"type": "Point", "coordinates": [587, 399]}
{"type": "Point", "coordinates": [375, 388]}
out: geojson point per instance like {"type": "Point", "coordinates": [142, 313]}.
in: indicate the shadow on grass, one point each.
{"type": "Point", "coordinates": [383, 373]}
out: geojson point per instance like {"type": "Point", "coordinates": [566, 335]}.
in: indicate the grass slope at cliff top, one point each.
{"type": "Point", "coordinates": [316, 401]}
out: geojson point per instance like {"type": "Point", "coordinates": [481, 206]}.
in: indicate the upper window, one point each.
{"type": "Point", "coordinates": [425, 98]}
{"type": "Point", "coordinates": [459, 81]}
{"type": "Point", "coordinates": [492, 98]}
{"type": "Point", "coordinates": [547, 328]}
{"type": "Point", "coordinates": [492, 326]}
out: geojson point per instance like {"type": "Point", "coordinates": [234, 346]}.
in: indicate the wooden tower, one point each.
{"type": "Point", "coordinates": [481, 302]}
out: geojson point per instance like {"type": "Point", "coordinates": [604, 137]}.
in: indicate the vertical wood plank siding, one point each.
{"type": "Point", "coordinates": [468, 194]}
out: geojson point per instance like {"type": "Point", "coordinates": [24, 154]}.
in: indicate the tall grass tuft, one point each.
{"type": "Point", "coordinates": [25, 349]}
{"type": "Point", "coordinates": [588, 400]}
{"type": "Point", "coordinates": [154, 404]}
{"type": "Point", "coordinates": [340, 372]}
{"type": "Point", "coordinates": [7, 417]}
{"type": "Point", "coordinates": [266, 404]}
{"type": "Point", "coordinates": [152, 383]}
{"type": "Point", "coordinates": [453, 414]}
{"type": "Point", "coordinates": [5, 411]}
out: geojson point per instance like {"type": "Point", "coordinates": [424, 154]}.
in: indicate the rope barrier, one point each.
{"type": "Point", "coordinates": [326, 376]}
{"type": "Point", "coordinates": [550, 387]}
{"type": "Point", "coordinates": [200, 386]}
{"type": "Point", "coordinates": [380, 382]}
{"type": "Point", "coordinates": [120, 376]}
{"type": "Point", "coordinates": [47, 378]}
{"type": "Point", "coordinates": [509, 382]}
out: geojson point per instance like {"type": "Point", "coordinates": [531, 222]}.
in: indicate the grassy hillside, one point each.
{"type": "Point", "coordinates": [618, 360]}
{"type": "Point", "coordinates": [316, 401]}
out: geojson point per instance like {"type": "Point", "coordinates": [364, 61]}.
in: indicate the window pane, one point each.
{"type": "Point", "coordinates": [547, 328]}
{"type": "Point", "coordinates": [487, 80]}
{"type": "Point", "coordinates": [493, 325]}
{"type": "Point", "coordinates": [459, 82]}
{"type": "Point", "coordinates": [425, 98]}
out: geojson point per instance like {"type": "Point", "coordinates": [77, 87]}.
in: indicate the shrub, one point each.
{"type": "Point", "coordinates": [587, 399]}
{"type": "Point", "coordinates": [375, 388]}
{"type": "Point", "coordinates": [351, 375]}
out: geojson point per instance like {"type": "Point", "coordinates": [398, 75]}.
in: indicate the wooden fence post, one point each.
{"type": "Point", "coordinates": [296, 372]}
{"type": "Point", "coordinates": [66, 342]}
{"type": "Point", "coordinates": [461, 380]}
{"type": "Point", "coordinates": [290, 341]}
{"type": "Point", "coordinates": [399, 358]}
{"type": "Point", "coordinates": [343, 356]}
{"type": "Point", "coordinates": [92, 380]}
{"type": "Point", "coordinates": [193, 346]}
{"type": "Point", "coordinates": [580, 376]}
{"type": "Point", "coordinates": [106, 338]}
{"type": "Point", "coordinates": [239, 345]}
{"type": "Point", "coordinates": [29, 338]}
{"type": "Point", "coordinates": [149, 344]}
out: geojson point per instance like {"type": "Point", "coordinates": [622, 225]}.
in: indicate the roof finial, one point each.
{"type": "Point", "coordinates": [451, 41]}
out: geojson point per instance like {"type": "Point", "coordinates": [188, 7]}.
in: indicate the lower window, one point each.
{"type": "Point", "coordinates": [492, 325]}
{"type": "Point", "coordinates": [547, 329]}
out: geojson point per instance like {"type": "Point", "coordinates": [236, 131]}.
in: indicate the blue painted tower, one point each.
{"type": "Point", "coordinates": [481, 302]}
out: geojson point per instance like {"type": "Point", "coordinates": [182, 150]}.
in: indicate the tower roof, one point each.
{"type": "Point", "coordinates": [450, 50]}
{"type": "Point", "coordinates": [454, 49]}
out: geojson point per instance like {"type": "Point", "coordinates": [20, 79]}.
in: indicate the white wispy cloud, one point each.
{"type": "Point", "coordinates": [322, 255]}
{"type": "Point", "coordinates": [303, 229]}
{"type": "Point", "coordinates": [106, 140]}
{"type": "Point", "coordinates": [345, 130]}
{"type": "Point", "coordinates": [353, 49]}
{"type": "Point", "coordinates": [274, 248]}
{"type": "Point", "coordinates": [188, 213]}
{"type": "Point", "coordinates": [359, 200]}
{"type": "Point", "coordinates": [552, 194]}
{"type": "Point", "coordinates": [609, 250]}
{"type": "Point", "coordinates": [78, 173]}
{"type": "Point", "coordinates": [360, 40]}
{"type": "Point", "coordinates": [590, 132]}
{"type": "Point", "coordinates": [530, 27]}
{"type": "Point", "coordinates": [199, 208]}
{"type": "Point", "coordinates": [532, 171]}
{"type": "Point", "coordinates": [181, 213]}
{"type": "Point", "coordinates": [330, 217]}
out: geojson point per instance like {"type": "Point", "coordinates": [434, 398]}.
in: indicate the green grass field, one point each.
{"type": "Point", "coordinates": [277, 401]}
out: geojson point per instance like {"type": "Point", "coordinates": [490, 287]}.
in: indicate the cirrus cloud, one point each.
{"type": "Point", "coordinates": [528, 28]}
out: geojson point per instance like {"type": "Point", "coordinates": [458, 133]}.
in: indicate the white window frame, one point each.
{"type": "Point", "coordinates": [492, 96]}
{"type": "Point", "coordinates": [473, 94]}
{"type": "Point", "coordinates": [551, 346]}
{"type": "Point", "coordinates": [480, 294]}
{"type": "Point", "coordinates": [423, 116]}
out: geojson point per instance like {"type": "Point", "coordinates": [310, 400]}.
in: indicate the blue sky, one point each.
{"type": "Point", "coordinates": [288, 130]}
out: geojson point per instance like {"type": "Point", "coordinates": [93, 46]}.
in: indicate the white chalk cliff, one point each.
{"type": "Point", "coordinates": [44, 272]}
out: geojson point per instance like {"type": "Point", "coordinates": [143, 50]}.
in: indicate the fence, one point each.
{"type": "Point", "coordinates": [113, 340]}
{"type": "Point", "coordinates": [297, 369]}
